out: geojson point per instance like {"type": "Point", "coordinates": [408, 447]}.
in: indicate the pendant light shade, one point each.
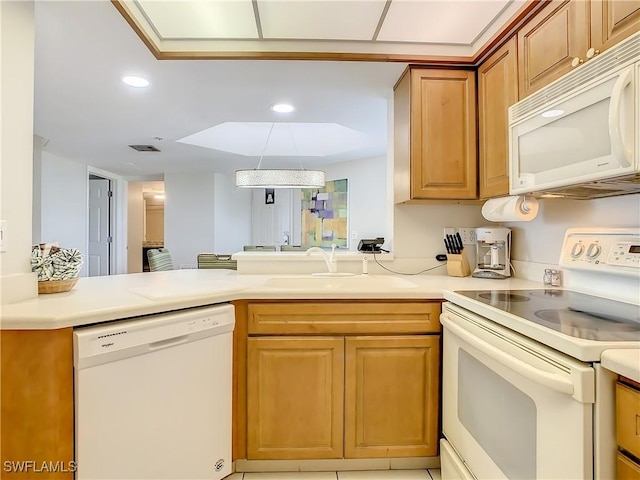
{"type": "Point", "coordinates": [279, 178]}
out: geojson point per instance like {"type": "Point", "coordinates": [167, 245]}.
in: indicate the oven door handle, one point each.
{"type": "Point", "coordinates": [555, 382]}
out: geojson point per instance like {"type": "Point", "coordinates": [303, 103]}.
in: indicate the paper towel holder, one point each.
{"type": "Point", "coordinates": [515, 208]}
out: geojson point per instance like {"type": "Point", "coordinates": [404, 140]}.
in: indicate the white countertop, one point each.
{"type": "Point", "coordinates": [625, 362]}
{"type": "Point", "coordinates": [99, 299]}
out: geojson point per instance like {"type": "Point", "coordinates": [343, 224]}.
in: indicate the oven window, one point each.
{"type": "Point", "coordinates": [501, 418]}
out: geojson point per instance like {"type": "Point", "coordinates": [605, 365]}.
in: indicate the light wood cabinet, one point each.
{"type": "Point", "coordinates": [339, 379]}
{"type": "Point", "coordinates": [627, 429]}
{"type": "Point", "coordinates": [566, 30]}
{"type": "Point", "coordinates": [497, 91]}
{"type": "Point", "coordinates": [295, 402]}
{"type": "Point", "coordinates": [435, 135]}
{"type": "Point", "coordinates": [612, 21]}
{"type": "Point", "coordinates": [391, 397]}
{"type": "Point", "coordinates": [37, 402]}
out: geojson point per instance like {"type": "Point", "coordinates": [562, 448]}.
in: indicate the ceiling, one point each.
{"type": "Point", "coordinates": [85, 113]}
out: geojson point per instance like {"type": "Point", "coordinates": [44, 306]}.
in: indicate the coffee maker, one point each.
{"type": "Point", "coordinates": [493, 252]}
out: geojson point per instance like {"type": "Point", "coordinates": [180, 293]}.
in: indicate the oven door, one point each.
{"type": "Point", "coordinates": [511, 407]}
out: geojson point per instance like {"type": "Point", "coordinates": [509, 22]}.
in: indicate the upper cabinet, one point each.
{"type": "Point", "coordinates": [567, 33]}
{"type": "Point", "coordinates": [612, 21]}
{"type": "Point", "coordinates": [435, 135]}
{"type": "Point", "coordinates": [497, 91]}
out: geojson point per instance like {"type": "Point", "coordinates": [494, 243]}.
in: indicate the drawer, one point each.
{"type": "Point", "coordinates": [628, 419]}
{"type": "Point", "coordinates": [322, 317]}
{"type": "Point", "coordinates": [626, 469]}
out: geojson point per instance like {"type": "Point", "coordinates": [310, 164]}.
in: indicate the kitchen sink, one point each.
{"type": "Point", "coordinates": [356, 282]}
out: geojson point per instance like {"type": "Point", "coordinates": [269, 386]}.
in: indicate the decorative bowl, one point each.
{"type": "Point", "coordinates": [56, 286]}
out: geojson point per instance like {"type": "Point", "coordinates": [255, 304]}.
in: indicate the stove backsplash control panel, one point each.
{"type": "Point", "coordinates": [615, 251]}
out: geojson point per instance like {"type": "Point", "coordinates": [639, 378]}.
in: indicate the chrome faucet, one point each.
{"type": "Point", "coordinates": [330, 260]}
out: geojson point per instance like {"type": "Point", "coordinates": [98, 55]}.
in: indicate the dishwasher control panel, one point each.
{"type": "Point", "coordinates": [153, 332]}
{"type": "Point", "coordinates": [615, 251]}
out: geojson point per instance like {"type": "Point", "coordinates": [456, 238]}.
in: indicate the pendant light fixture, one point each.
{"type": "Point", "coordinates": [280, 177]}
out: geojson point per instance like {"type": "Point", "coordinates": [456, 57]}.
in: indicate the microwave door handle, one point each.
{"type": "Point", "coordinates": [549, 380]}
{"type": "Point", "coordinates": [615, 134]}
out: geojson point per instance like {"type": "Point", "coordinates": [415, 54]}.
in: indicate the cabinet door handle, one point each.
{"type": "Point", "coordinates": [592, 52]}
{"type": "Point", "coordinates": [576, 61]}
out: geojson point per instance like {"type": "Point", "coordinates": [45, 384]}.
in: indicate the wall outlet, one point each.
{"type": "Point", "coordinates": [468, 235]}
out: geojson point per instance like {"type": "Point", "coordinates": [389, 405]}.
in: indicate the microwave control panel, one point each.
{"type": "Point", "coordinates": [615, 251]}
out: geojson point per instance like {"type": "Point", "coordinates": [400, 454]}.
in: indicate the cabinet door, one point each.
{"type": "Point", "coordinates": [612, 21]}
{"type": "Point", "coordinates": [391, 398]}
{"type": "Point", "coordinates": [497, 91]}
{"type": "Point", "coordinates": [443, 134]}
{"type": "Point", "coordinates": [295, 389]}
{"type": "Point", "coordinates": [549, 42]}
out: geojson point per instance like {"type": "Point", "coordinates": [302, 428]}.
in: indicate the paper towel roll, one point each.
{"type": "Point", "coordinates": [510, 209]}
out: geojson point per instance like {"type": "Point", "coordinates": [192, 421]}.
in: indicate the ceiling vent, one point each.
{"type": "Point", "coordinates": [145, 148]}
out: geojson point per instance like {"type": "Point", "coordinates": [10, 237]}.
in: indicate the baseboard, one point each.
{"type": "Point", "coordinates": [338, 464]}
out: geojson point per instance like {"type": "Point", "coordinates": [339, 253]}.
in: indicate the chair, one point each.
{"type": "Point", "coordinates": [294, 248]}
{"type": "Point", "coordinates": [267, 248]}
{"type": "Point", "coordinates": [159, 259]}
{"type": "Point", "coordinates": [211, 260]}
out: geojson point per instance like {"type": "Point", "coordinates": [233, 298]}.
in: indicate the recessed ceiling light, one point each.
{"type": "Point", "coordinates": [552, 113]}
{"type": "Point", "coordinates": [282, 108]}
{"type": "Point", "coordinates": [133, 81]}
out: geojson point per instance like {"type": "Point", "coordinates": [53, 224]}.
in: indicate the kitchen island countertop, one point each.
{"type": "Point", "coordinates": [100, 299]}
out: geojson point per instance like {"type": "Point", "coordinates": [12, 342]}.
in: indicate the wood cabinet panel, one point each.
{"type": "Point", "coordinates": [613, 21]}
{"type": "Point", "coordinates": [37, 401]}
{"type": "Point", "coordinates": [497, 91]}
{"type": "Point", "coordinates": [391, 399]}
{"type": "Point", "coordinates": [317, 317]}
{"type": "Point", "coordinates": [548, 43]}
{"type": "Point", "coordinates": [626, 469]}
{"type": "Point", "coordinates": [628, 419]}
{"type": "Point", "coordinates": [295, 397]}
{"type": "Point", "coordinates": [435, 149]}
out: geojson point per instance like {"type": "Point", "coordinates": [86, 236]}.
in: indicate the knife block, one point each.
{"type": "Point", "coordinates": [458, 264]}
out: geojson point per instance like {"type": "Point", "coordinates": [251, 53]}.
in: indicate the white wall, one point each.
{"type": "Point", "coordinates": [135, 227]}
{"type": "Point", "coordinates": [16, 149]}
{"type": "Point", "coordinates": [541, 239]}
{"type": "Point", "coordinates": [64, 204]}
{"type": "Point", "coordinates": [367, 197]}
{"type": "Point", "coordinates": [231, 216]}
{"type": "Point", "coordinates": [188, 209]}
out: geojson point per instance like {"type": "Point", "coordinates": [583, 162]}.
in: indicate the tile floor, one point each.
{"type": "Point", "coordinates": [431, 474]}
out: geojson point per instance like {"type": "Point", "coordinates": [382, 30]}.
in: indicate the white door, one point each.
{"type": "Point", "coordinates": [513, 408]}
{"type": "Point", "coordinates": [100, 241]}
{"type": "Point", "coordinates": [271, 222]}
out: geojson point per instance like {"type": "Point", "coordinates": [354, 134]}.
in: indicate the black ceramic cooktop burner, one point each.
{"type": "Point", "coordinates": [571, 313]}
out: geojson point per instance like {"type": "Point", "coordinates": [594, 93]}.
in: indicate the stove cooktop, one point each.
{"type": "Point", "coordinates": [570, 313]}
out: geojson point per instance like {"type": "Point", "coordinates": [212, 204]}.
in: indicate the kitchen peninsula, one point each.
{"type": "Point", "coordinates": [38, 407]}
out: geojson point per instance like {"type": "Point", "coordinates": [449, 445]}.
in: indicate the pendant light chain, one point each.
{"type": "Point", "coordinates": [264, 149]}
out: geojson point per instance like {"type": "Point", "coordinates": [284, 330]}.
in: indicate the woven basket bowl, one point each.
{"type": "Point", "coordinates": [56, 286]}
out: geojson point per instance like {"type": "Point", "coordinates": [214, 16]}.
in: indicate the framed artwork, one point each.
{"type": "Point", "coordinates": [325, 214]}
{"type": "Point", "coordinates": [269, 196]}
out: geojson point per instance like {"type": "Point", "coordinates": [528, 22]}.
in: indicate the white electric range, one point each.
{"type": "Point", "coordinates": [524, 395]}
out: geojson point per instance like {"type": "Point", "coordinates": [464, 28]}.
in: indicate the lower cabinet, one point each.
{"type": "Point", "coordinates": [295, 391]}
{"type": "Point", "coordinates": [358, 393]}
{"type": "Point", "coordinates": [628, 429]}
{"type": "Point", "coordinates": [391, 396]}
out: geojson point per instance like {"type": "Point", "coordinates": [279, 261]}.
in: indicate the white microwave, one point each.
{"type": "Point", "coordinates": [578, 136]}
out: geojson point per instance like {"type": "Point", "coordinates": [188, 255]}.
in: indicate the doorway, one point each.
{"type": "Point", "coordinates": [101, 226]}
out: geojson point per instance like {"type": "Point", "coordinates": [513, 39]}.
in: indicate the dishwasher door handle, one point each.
{"type": "Point", "coordinates": [169, 342]}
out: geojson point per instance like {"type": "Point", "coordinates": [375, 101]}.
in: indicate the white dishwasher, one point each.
{"type": "Point", "coordinates": [153, 396]}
